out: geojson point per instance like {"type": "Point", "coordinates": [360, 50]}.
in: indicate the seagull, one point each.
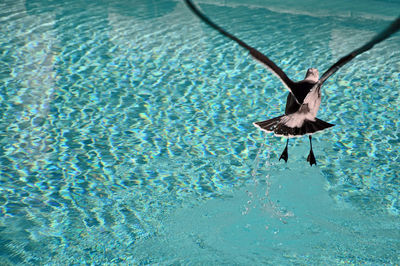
{"type": "Point", "coordinates": [304, 96]}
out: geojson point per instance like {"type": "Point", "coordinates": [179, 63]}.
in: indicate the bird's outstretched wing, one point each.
{"type": "Point", "coordinates": [391, 29]}
{"type": "Point", "coordinates": [254, 52]}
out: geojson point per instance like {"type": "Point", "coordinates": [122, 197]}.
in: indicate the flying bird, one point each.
{"type": "Point", "coordinates": [304, 96]}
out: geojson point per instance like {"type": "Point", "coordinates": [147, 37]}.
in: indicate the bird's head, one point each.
{"type": "Point", "coordinates": [312, 75]}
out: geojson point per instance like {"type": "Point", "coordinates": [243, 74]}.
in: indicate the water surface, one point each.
{"type": "Point", "coordinates": [126, 135]}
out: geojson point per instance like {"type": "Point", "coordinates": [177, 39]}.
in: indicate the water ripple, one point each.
{"type": "Point", "coordinates": [110, 119]}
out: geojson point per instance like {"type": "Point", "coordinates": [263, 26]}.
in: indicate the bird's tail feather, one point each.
{"type": "Point", "coordinates": [278, 127]}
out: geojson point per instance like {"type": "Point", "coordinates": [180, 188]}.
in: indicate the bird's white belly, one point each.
{"type": "Point", "coordinates": [307, 111]}
{"type": "Point", "coordinates": [312, 101]}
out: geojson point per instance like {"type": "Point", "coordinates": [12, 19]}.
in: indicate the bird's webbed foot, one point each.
{"type": "Point", "coordinates": [311, 158]}
{"type": "Point", "coordinates": [284, 154]}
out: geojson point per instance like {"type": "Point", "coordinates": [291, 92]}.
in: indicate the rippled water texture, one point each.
{"type": "Point", "coordinates": [126, 135]}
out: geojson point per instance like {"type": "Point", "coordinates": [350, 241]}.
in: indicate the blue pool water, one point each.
{"type": "Point", "coordinates": [126, 135]}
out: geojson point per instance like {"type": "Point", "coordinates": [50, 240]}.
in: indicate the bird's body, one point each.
{"type": "Point", "coordinates": [304, 96]}
{"type": "Point", "coordinates": [302, 105]}
{"type": "Point", "coordinates": [301, 109]}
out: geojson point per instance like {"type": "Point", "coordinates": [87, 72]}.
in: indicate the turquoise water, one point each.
{"type": "Point", "coordinates": [127, 137]}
